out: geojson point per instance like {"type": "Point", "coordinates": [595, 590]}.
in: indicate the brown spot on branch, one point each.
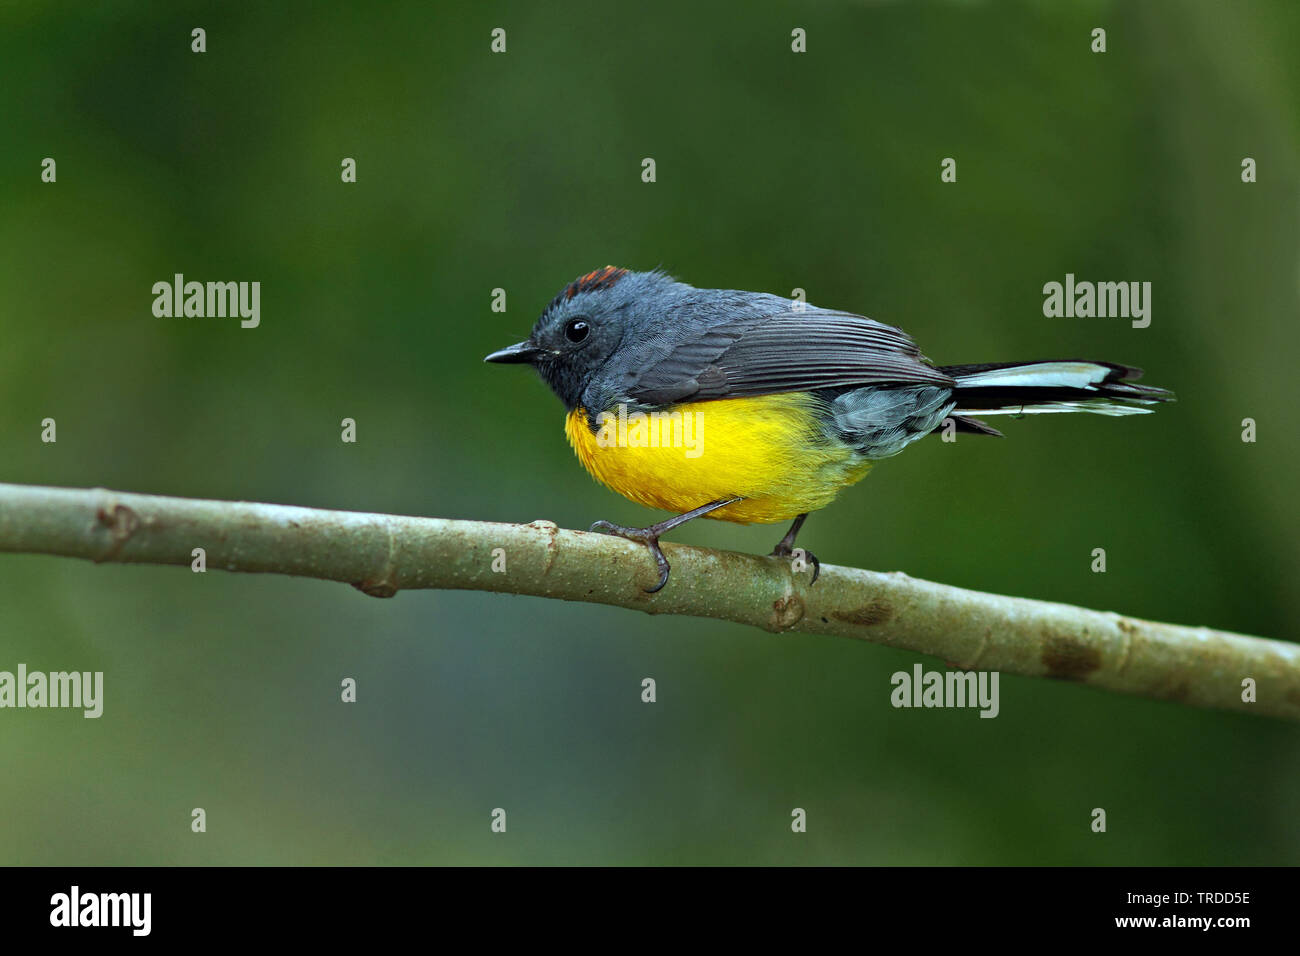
{"type": "Point", "coordinates": [1067, 658]}
{"type": "Point", "coordinates": [869, 615]}
{"type": "Point", "coordinates": [121, 523]}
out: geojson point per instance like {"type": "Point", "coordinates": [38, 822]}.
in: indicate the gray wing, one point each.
{"type": "Point", "coordinates": [784, 352]}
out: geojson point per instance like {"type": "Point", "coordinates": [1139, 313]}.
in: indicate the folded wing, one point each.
{"type": "Point", "coordinates": [784, 352]}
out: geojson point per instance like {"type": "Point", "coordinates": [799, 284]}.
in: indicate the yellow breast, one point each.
{"type": "Point", "coordinates": [769, 450]}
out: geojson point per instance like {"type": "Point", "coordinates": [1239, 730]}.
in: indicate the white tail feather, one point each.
{"type": "Point", "coordinates": [1039, 374]}
{"type": "Point", "coordinates": [1046, 388]}
{"type": "Point", "coordinates": [1097, 407]}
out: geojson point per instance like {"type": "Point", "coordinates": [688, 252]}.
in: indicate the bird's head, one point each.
{"type": "Point", "coordinates": [583, 327]}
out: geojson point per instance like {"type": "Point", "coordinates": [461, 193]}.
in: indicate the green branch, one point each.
{"type": "Point", "coordinates": [384, 554]}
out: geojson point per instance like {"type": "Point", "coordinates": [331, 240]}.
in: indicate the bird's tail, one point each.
{"type": "Point", "coordinates": [1038, 388]}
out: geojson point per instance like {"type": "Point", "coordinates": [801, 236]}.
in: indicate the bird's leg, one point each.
{"type": "Point", "coordinates": [650, 536]}
{"type": "Point", "coordinates": [785, 548]}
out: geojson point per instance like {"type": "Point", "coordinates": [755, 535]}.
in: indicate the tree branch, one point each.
{"type": "Point", "coordinates": [383, 554]}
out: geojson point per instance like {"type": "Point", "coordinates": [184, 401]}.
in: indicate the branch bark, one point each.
{"type": "Point", "coordinates": [383, 554]}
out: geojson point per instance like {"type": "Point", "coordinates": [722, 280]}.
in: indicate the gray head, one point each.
{"type": "Point", "coordinates": [588, 322]}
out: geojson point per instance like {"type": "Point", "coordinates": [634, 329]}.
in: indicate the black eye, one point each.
{"type": "Point", "coordinates": [576, 330]}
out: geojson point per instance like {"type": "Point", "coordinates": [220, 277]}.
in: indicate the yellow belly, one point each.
{"type": "Point", "coordinates": [768, 450]}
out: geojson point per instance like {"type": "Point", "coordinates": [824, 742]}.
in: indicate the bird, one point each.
{"type": "Point", "coordinates": [754, 408]}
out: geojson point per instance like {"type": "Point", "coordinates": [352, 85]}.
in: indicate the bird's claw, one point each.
{"type": "Point", "coordinates": [644, 536]}
{"type": "Point", "coordinates": [785, 551]}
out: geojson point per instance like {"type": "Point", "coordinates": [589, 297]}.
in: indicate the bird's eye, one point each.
{"type": "Point", "coordinates": [576, 330]}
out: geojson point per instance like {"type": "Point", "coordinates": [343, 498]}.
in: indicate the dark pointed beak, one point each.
{"type": "Point", "coordinates": [518, 354]}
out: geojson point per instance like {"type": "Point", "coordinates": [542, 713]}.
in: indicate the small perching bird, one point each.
{"type": "Point", "coordinates": [748, 407]}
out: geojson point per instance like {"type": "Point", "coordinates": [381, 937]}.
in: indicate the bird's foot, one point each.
{"type": "Point", "coordinates": [783, 550]}
{"type": "Point", "coordinates": [647, 536]}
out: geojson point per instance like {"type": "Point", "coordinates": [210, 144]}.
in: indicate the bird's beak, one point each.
{"type": "Point", "coordinates": [518, 354]}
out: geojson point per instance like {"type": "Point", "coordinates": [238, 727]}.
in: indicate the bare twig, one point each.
{"type": "Point", "coordinates": [383, 554]}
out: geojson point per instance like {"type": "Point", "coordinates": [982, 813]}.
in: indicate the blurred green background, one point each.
{"type": "Point", "coordinates": [521, 171]}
